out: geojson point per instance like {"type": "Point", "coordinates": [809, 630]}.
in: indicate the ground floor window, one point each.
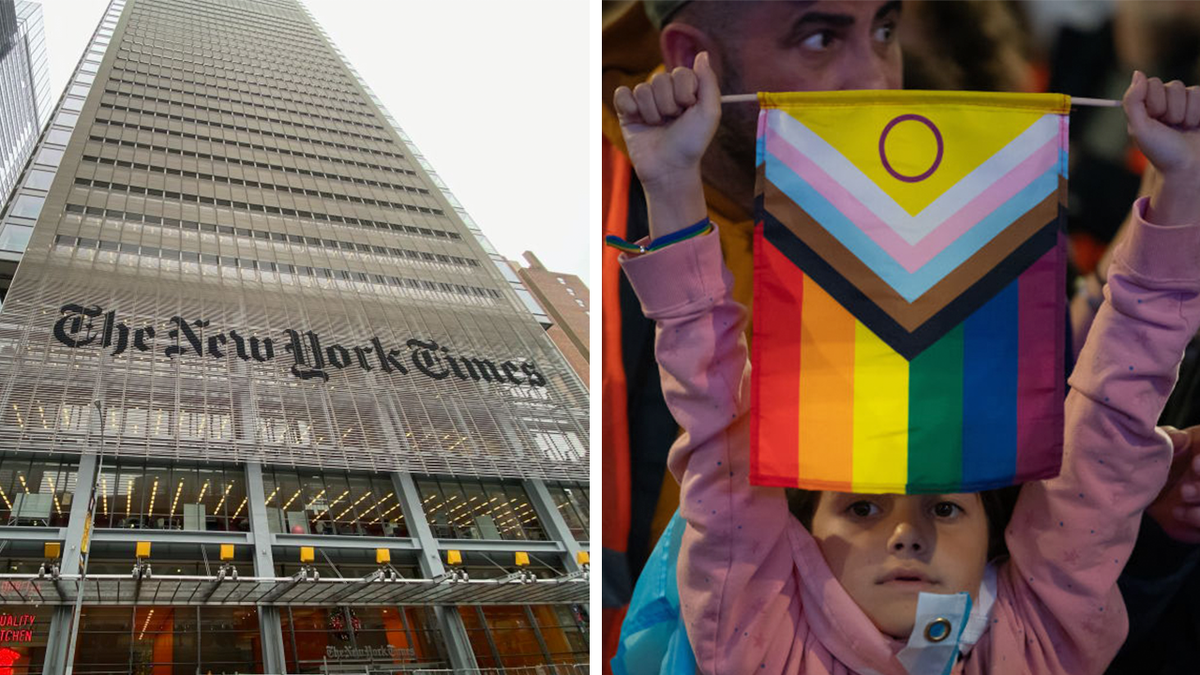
{"type": "Point", "coordinates": [168, 640]}
{"type": "Point", "coordinates": [316, 638]}
{"type": "Point", "coordinates": [23, 632]}
{"type": "Point", "coordinates": [527, 635]}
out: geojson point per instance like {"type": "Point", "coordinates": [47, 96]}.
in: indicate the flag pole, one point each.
{"type": "Point", "coordinates": [1075, 101]}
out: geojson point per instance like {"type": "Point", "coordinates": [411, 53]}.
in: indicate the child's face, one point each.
{"type": "Point", "coordinates": [886, 549]}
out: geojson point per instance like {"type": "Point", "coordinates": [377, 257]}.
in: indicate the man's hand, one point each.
{"type": "Point", "coordinates": [1164, 121]}
{"type": "Point", "coordinates": [668, 123]}
{"type": "Point", "coordinates": [1177, 507]}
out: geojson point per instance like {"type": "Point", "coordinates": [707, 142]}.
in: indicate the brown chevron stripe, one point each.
{"type": "Point", "coordinates": [909, 315]}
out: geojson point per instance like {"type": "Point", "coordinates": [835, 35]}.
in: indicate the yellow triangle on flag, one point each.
{"type": "Point", "coordinates": [970, 134]}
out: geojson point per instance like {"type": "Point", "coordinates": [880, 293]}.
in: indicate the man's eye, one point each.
{"type": "Point", "coordinates": [885, 33]}
{"type": "Point", "coordinates": [946, 509]}
{"type": "Point", "coordinates": [863, 509]}
{"type": "Point", "coordinates": [818, 42]}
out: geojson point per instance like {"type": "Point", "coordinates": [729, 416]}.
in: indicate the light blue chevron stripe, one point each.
{"type": "Point", "coordinates": [912, 228]}
{"type": "Point", "coordinates": [914, 285]}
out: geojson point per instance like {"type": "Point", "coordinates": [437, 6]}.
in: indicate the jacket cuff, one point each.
{"type": "Point", "coordinates": [1157, 252]}
{"type": "Point", "coordinates": [682, 276]}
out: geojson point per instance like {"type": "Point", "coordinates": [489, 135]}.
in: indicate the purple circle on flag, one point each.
{"type": "Point", "coordinates": [937, 135]}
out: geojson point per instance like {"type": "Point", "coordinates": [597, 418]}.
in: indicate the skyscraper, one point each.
{"type": "Point", "coordinates": [564, 302]}
{"type": "Point", "coordinates": [265, 382]}
{"type": "Point", "coordinates": [24, 87]}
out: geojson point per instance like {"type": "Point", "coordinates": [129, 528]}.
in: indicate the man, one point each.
{"type": "Point", "coordinates": [754, 46]}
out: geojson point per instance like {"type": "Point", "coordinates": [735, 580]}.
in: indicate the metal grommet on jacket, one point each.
{"type": "Point", "coordinates": [937, 630]}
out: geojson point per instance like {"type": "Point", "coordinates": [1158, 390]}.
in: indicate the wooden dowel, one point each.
{"type": "Point", "coordinates": [1095, 102]}
{"type": "Point", "coordinates": [1075, 101]}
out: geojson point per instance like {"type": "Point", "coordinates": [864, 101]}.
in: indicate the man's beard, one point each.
{"type": "Point", "coordinates": [736, 135]}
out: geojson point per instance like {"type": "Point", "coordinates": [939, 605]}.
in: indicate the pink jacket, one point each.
{"type": "Point", "coordinates": [755, 593]}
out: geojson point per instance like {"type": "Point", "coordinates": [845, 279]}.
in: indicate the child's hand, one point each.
{"type": "Point", "coordinates": [1164, 121]}
{"type": "Point", "coordinates": [1177, 508]}
{"type": "Point", "coordinates": [668, 123]}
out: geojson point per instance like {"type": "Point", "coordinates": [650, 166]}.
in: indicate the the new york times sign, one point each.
{"type": "Point", "coordinates": [310, 358]}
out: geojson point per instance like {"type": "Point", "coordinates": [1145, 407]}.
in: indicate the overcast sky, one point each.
{"type": "Point", "coordinates": [460, 76]}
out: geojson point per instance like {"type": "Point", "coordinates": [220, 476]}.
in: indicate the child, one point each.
{"type": "Point", "coordinates": [760, 593]}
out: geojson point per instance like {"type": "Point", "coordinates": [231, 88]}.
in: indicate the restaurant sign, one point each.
{"type": "Point", "coordinates": [84, 326]}
{"type": "Point", "coordinates": [16, 627]}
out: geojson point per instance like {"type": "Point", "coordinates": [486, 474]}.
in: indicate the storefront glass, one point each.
{"type": "Point", "coordinates": [168, 640]}
{"type": "Point", "coordinates": [23, 632]}
{"type": "Point", "coordinates": [318, 639]}
{"type": "Point", "coordinates": [527, 635]}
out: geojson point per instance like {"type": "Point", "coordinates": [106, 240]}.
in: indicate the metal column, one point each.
{"type": "Point", "coordinates": [552, 520]}
{"type": "Point", "coordinates": [58, 642]}
{"type": "Point", "coordinates": [269, 625]}
{"type": "Point", "coordinates": [458, 645]}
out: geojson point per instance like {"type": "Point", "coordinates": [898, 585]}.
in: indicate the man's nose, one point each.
{"type": "Point", "coordinates": [864, 68]}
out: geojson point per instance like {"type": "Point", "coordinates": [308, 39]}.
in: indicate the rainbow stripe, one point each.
{"type": "Point", "coordinates": [966, 396]}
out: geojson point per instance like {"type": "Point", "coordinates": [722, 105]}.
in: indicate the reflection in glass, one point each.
{"type": "Point", "coordinates": [573, 504]}
{"type": "Point", "coordinates": [388, 637]}
{"type": "Point", "coordinates": [35, 491]}
{"type": "Point", "coordinates": [333, 502]}
{"type": "Point", "coordinates": [50, 156]}
{"type": "Point", "coordinates": [170, 498]}
{"type": "Point", "coordinates": [168, 640]}
{"type": "Point", "coordinates": [39, 179]}
{"type": "Point", "coordinates": [465, 508]}
{"type": "Point", "coordinates": [15, 237]}
{"type": "Point", "coordinates": [28, 206]}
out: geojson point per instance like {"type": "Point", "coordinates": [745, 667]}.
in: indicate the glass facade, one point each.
{"type": "Point", "coordinates": [23, 639]}
{"type": "Point", "coordinates": [404, 637]}
{"type": "Point", "coordinates": [161, 496]}
{"type": "Point", "coordinates": [333, 502]}
{"type": "Point", "coordinates": [24, 90]}
{"type": "Point", "coordinates": [168, 640]}
{"type": "Point", "coordinates": [527, 635]}
{"type": "Point", "coordinates": [573, 502]}
{"type": "Point", "coordinates": [466, 508]}
{"type": "Point", "coordinates": [35, 489]}
{"type": "Point", "coordinates": [256, 363]}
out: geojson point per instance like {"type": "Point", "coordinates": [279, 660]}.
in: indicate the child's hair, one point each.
{"type": "Point", "coordinates": [998, 506]}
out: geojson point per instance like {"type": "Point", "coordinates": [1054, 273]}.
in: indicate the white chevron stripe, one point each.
{"type": "Point", "coordinates": [913, 228]}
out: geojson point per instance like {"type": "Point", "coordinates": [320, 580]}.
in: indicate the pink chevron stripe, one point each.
{"type": "Point", "coordinates": [911, 257]}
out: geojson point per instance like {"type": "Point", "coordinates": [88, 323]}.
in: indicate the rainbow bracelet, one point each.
{"type": "Point", "coordinates": [702, 227]}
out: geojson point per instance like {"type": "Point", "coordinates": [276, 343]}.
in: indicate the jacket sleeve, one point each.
{"type": "Point", "coordinates": [1071, 536]}
{"type": "Point", "coordinates": [737, 587]}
